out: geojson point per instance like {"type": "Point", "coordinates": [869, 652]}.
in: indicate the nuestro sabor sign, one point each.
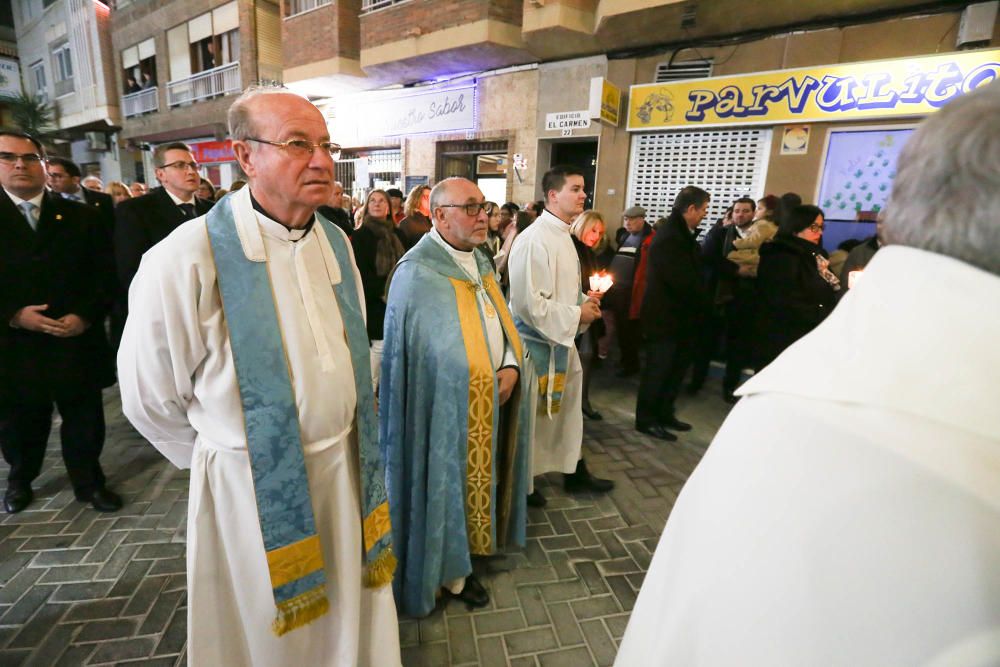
{"type": "Point", "coordinates": [408, 111]}
{"type": "Point", "coordinates": [853, 91]}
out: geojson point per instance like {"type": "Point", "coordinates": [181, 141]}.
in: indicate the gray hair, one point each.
{"type": "Point", "coordinates": [239, 118]}
{"type": "Point", "coordinates": [946, 197]}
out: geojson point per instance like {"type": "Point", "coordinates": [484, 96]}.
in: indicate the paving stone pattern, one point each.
{"type": "Point", "coordinates": [82, 588]}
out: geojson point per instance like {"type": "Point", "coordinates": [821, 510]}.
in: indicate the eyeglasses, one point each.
{"type": "Point", "coordinates": [816, 228]}
{"type": "Point", "coordinates": [471, 209]}
{"type": "Point", "coordinates": [181, 165]}
{"type": "Point", "coordinates": [12, 158]}
{"type": "Point", "coordinates": [300, 148]}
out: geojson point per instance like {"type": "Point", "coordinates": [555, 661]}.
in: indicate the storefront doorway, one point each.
{"type": "Point", "coordinates": [482, 162]}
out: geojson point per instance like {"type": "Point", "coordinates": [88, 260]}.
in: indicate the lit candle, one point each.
{"type": "Point", "coordinates": [600, 282]}
{"type": "Point", "coordinates": [853, 277]}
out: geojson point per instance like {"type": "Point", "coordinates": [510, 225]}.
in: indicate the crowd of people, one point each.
{"type": "Point", "coordinates": [366, 397]}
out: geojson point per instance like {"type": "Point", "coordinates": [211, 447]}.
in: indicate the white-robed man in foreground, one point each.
{"type": "Point", "coordinates": [847, 511]}
{"type": "Point", "coordinates": [245, 358]}
{"type": "Point", "coordinates": [550, 310]}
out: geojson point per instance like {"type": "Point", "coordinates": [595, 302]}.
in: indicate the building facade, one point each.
{"type": "Point", "coordinates": [177, 66]}
{"type": "Point", "coordinates": [64, 49]}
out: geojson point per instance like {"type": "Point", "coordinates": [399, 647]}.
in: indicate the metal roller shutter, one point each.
{"type": "Point", "coordinates": [727, 163]}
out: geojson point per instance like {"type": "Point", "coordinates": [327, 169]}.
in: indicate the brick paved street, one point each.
{"type": "Point", "coordinates": [82, 588]}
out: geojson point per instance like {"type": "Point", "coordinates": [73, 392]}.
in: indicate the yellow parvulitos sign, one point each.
{"type": "Point", "coordinates": [851, 91]}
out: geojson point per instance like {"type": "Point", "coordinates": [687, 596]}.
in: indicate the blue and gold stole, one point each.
{"type": "Point", "coordinates": [281, 487]}
{"type": "Point", "coordinates": [550, 361]}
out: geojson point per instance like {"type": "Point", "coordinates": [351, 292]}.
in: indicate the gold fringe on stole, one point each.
{"type": "Point", "coordinates": [300, 610]}
{"type": "Point", "coordinates": [379, 572]}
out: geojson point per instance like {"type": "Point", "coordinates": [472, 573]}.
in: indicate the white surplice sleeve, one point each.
{"type": "Point", "coordinates": [161, 348]}
{"type": "Point", "coordinates": [533, 292]}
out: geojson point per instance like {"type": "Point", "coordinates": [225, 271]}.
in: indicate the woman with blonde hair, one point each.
{"type": "Point", "coordinates": [119, 191]}
{"type": "Point", "coordinates": [417, 210]}
{"type": "Point", "coordinates": [587, 232]}
{"type": "Point", "coordinates": [377, 247]}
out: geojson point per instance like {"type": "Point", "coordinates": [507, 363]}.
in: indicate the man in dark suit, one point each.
{"type": "Point", "coordinates": [64, 179]}
{"type": "Point", "coordinates": [54, 266]}
{"type": "Point", "coordinates": [142, 222]}
{"type": "Point", "coordinates": [673, 308]}
{"type": "Point", "coordinates": [334, 212]}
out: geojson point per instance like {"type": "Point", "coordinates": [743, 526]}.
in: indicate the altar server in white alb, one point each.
{"type": "Point", "coordinates": [550, 311]}
{"type": "Point", "coordinates": [847, 511]}
{"type": "Point", "coordinates": [245, 358]}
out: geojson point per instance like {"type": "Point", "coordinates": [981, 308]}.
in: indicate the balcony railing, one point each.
{"type": "Point", "coordinates": [372, 5]}
{"type": "Point", "coordinates": [64, 87]}
{"type": "Point", "coordinates": [213, 82]}
{"type": "Point", "coordinates": [145, 101]}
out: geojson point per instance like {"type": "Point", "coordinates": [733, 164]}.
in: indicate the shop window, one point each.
{"type": "Point", "coordinates": [362, 170]}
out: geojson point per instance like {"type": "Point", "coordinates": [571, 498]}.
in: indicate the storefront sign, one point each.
{"type": "Point", "coordinates": [605, 101]}
{"type": "Point", "coordinates": [410, 111]}
{"type": "Point", "coordinates": [853, 91]}
{"type": "Point", "coordinates": [208, 152]}
{"type": "Point", "coordinates": [567, 120]}
{"type": "Point", "coordinates": [795, 140]}
{"type": "Point", "coordinates": [10, 78]}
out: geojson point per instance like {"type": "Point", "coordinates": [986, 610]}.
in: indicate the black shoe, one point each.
{"type": "Point", "coordinates": [582, 481]}
{"type": "Point", "coordinates": [675, 424]}
{"type": "Point", "coordinates": [102, 500]}
{"type": "Point", "coordinates": [730, 397]}
{"type": "Point", "coordinates": [591, 413]}
{"type": "Point", "coordinates": [536, 499]}
{"type": "Point", "coordinates": [657, 431]}
{"type": "Point", "coordinates": [17, 497]}
{"type": "Point", "coordinates": [474, 594]}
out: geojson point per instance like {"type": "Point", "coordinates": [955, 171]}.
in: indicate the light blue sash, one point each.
{"type": "Point", "coordinates": [550, 361]}
{"type": "Point", "coordinates": [284, 507]}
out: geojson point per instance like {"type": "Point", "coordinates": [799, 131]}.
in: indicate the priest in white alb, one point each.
{"type": "Point", "coordinates": [245, 358]}
{"type": "Point", "coordinates": [550, 310]}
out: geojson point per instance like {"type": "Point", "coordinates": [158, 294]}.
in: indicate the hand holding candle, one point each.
{"type": "Point", "coordinates": [852, 278]}
{"type": "Point", "coordinates": [601, 282]}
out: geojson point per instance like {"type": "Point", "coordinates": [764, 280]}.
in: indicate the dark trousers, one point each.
{"type": "Point", "coordinates": [667, 359]}
{"type": "Point", "coordinates": [739, 340]}
{"type": "Point", "coordinates": [629, 336]}
{"type": "Point", "coordinates": [24, 432]}
{"type": "Point", "coordinates": [705, 349]}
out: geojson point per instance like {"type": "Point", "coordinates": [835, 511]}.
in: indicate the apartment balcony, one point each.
{"type": "Point", "coordinates": [435, 38]}
{"type": "Point", "coordinates": [143, 102]}
{"type": "Point", "coordinates": [556, 29]}
{"type": "Point", "coordinates": [211, 83]}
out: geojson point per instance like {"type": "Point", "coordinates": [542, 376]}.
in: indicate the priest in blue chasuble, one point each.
{"type": "Point", "coordinates": [454, 428]}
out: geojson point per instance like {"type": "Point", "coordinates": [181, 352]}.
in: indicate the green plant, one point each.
{"type": "Point", "coordinates": [32, 114]}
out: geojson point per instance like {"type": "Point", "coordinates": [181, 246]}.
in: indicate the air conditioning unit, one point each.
{"type": "Point", "coordinates": [96, 141]}
{"type": "Point", "coordinates": [977, 23]}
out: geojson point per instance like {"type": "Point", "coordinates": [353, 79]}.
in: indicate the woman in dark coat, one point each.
{"type": "Point", "coordinates": [377, 248]}
{"type": "Point", "coordinates": [797, 290]}
{"type": "Point", "coordinates": [587, 231]}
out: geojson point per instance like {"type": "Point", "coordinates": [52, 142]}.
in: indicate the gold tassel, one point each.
{"type": "Point", "coordinates": [300, 610]}
{"type": "Point", "coordinates": [379, 572]}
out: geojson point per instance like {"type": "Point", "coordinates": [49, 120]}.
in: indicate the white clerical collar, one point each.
{"type": "Point", "coordinates": [36, 200]}
{"type": "Point", "coordinates": [177, 200]}
{"type": "Point", "coordinates": [278, 231]}
{"type": "Point", "coordinates": [551, 218]}
{"type": "Point", "coordinates": [464, 258]}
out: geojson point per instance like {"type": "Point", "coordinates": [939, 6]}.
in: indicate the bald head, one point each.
{"type": "Point", "coordinates": [449, 201]}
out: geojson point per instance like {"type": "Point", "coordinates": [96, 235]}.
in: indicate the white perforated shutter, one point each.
{"type": "Point", "coordinates": [729, 164]}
